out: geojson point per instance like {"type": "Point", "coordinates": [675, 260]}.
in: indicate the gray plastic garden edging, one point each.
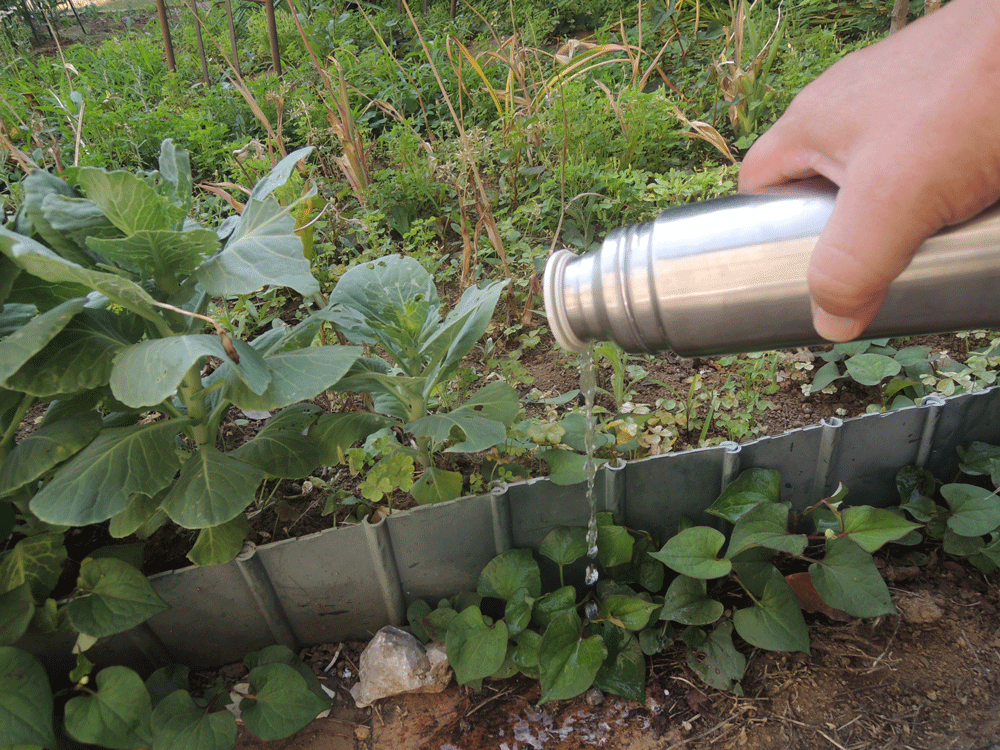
{"type": "Point", "coordinates": [347, 583]}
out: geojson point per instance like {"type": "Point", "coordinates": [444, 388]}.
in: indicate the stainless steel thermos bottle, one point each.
{"type": "Point", "coordinates": [729, 275]}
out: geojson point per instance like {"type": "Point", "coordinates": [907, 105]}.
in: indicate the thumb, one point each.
{"type": "Point", "coordinates": [869, 240]}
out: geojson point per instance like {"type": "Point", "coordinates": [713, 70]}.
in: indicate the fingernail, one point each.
{"type": "Point", "coordinates": [835, 328]}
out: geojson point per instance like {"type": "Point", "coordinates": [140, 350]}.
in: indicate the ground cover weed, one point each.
{"type": "Point", "coordinates": [702, 588]}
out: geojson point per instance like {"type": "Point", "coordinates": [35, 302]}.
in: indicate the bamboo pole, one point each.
{"type": "Point", "coordinates": [272, 33]}
{"type": "Point", "coordinates": [232, 38]}
{"type": "Point", "coordinates": [168, 47]}
{"type": "Point", "coordinates": [201, 42]}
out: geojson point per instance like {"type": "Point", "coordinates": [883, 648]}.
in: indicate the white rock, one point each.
{"type": "Point", "coordinates": [396, 662]}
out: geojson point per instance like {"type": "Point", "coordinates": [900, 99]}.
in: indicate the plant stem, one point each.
{"type": "Point", "coordinates": [7, 443]}
{"type": "Point", "coordinates": [192, 395]}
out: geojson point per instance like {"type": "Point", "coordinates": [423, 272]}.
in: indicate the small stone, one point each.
{"type": "Point", "coordinates": [395, 662]}
{"type": "Point", "coordinates": [362, 732]}
{"type": "Point", "coordinates": [594, 697]}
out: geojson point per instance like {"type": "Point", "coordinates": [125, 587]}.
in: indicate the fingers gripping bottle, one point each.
{"type": "Point", "coordinates": [728, 275]}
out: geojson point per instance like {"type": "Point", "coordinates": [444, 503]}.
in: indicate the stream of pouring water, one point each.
{"type": "Point", "coordinates": [588, 385]}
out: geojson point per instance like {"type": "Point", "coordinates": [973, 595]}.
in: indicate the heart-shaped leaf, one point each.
{"type": "Point", "coordinates": [871, 369]}
{"type": "Point", "coordinates": [775, 622]}
{"type": "Point", "coordinates": [751, 488]}
{"type": "Point", "coordinates": [564, 544]}
{"type": "Point", "coordinates": [281, 704]}
{"type": "Point", "coordinates": [25, 700]}
{"type": "Point", "coordinates": [695, 552]}
{"type": "Point", "coordinates": [178, 724]}
{"type": "Point", "coordinates": [475, 649]}
{"type": "Point", "coordinates": [112, 598]}
{"type": "Point", "coordinates": [848, 580]}
{"type": "Point", "coordinates": [766, 525]}
{"type": "Point", "coordinates": [506, 573]}
{"type": "Point", "coordinates": [870, 527]}
{"type": "Point", "coordinates": [567, 661]}
{"type": "Point", "coordinates": [116, 716]}
{"type": "Point", "coordinates": [974, 511]}
{"type": "Point", "coordinates": [687, 602]}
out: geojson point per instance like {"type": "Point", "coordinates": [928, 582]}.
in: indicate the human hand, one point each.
{"type": "Point", "coordinates": [909, 129]}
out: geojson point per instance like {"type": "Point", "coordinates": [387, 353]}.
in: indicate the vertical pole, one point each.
{"type": "Point", "coordinates": [272, 33]}
{"type": "Point", "coordinates": [201, 42]}
{"type": "Point", "coordinates": [168, 47]}
{"type": "Point", "coordinates": [232, 38]}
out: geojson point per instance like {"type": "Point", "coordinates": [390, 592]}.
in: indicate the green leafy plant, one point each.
{"type": "Point", "coordinates": [116, 708]}
{"type": "Point", "coordinates": [906, 375]}
{"type": "Point", "coordinates": [703, 587]}
{"type": "Point", "coordinates": [106, 282]}
{"type": "Point", "coordinates": [392, 303]}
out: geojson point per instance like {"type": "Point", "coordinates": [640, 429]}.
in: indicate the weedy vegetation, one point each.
{"type": "Point", "coordinates": [351, 251]}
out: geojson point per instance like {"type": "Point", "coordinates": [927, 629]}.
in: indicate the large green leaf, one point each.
{"type": "Point", "coordinates": [162, 255]}
{"type": "Point", "coordinates": [629, 612]}
{"type": "Point", "coordinates": [775, 622]}
{"type": "Point", "coordinates": [979, 459]}
{"type": "Point", "coordinates": [29, 340]}
{"type": "Point", "coordinates": [333, 434]}
{"type": "Point", "coordinates": [694, 552]}
{"type": "Point", "coordinates": [213, 488]}
{"type": "Point", "coordinates": [871, 369]}
{"type": "Point", "coordinates": [16, 610]}
{"type": "Point", "coordinates": [568, 662]}
{"type": "Point", "coordinates": [751, 488]}
{"type": "Point", "coordinates": [41, 190]}
{"type": "Point", "coordinates": [295, 376]}
{"type": "Point", "coordinates": [283, 448]}
{"type": "Point", "coordinates": [525, 652]}
{"type": "Point", "coordinates": [974, 511]}
{"type": "Point", "coordinates": [509, 571]}
{"type": "Point", "coordinates": [140, 509]}
{"type": "Point", "coordinates": [220, 544]}
{"type": "Point", "coordinates": [25, 700]}
{"type": "Point", "coordinates": [391, 301]}
{"type": "Point", "coordinates": [720, 664]}
{"type": "Point", "coordinates": [35, 560]}
{"type": "Point", "coordinates": [178, 724]}
{"type": "Point", "coordinates": [552, 605]}
{"type": "Point", "coordinates": [111, 597]}
{"type": "Point", "coordinates": [175, 168]}
{"type": "Point", "coordinates": [766, 525]}
{"type": "Point", "coordinates": [281, 704]}
{"type": "Point", "coordinates": [517, 613]}
{"type": "Point", "coordinates": [79, 358]}
{"type": "Point", "coordinates": [477, 425]}
{"type": "Point", "coordinates": [847, 579]}
{"type": "Point", "coordinates": [687, 602]}
{"type": "Point", "coordinates": [129, 201]}
{"type": "Point", "coordinates": [475, 649]}
{"type": "Point", "coordinates": [150, 372]}
{"type": "Point", "coordinates": [116, 716]}
{"type": "Point", "coordinates": [14, 316]}
{"type": "Point", "coordinates": [614, 543]}
{"type": "Point", "coordinates": [280, 654]}
{"type": "Point", "coordinates": [437, 486]}
{"type": "Point", "coordinates": [262, 251]}
{"type": "Point", "coordinates": [624, 670]}
{"type": "Point", "coordinates": [95, 484]}
{"type": "Point", "coordinates": [564, 544]}
{"type": "Point", "coordinates": [872, 527]}
{"type": "Point", "coordinates": [566, 467]}
{"type": "Point", "coordinates": [47, 447]}
{"type": "Point", "coordinates": [39, 261]}
{"type": "Point", "coordinates": [461, 329]}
